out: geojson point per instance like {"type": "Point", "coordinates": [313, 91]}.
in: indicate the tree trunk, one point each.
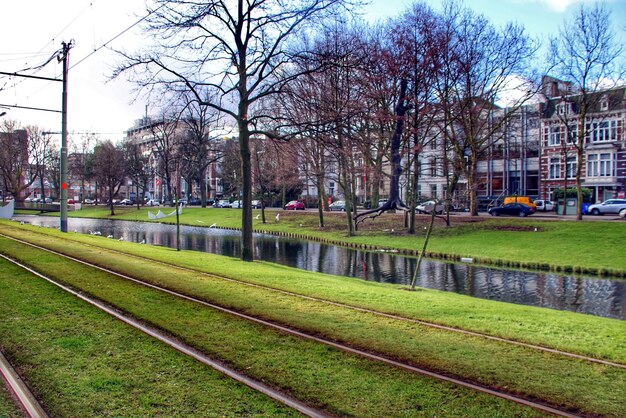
{"type": "Point", "coordinates": [419, 259]}
{"type": "Point", "coordinates": [247, 253]}
{"type": "Point", "coordinates": [471, 183]}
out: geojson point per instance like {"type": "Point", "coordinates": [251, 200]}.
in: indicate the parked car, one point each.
{"type": "Point", "coordinates": [427, 207]}
{"type": "Point", "coordinates": [294, 205]}
{"type": "Point", "coordinates": [222, 204]}
{"type": "Point", "coordinates": [152, 202]}
{"type": "Point", "coordinates": [195, 201]}
{"type": "Point", "coordinates": [545, 205]}
{"type": "Point", "coordinates": [608, 206]}
{"type": "Point", "coordinates": [512, 209]}
{"type": "Point", "coordinates": [126, 202]}
{"type": "Point", "coordinates": [622, 213]}
{"type": "Point", "coordinates": [339, 205]}
{"type": "Point", "coordinates": [182, 201]}
{"type": "Point", "coordinates": [520, 199]}
{"type": "Point", "coordinates": [381, 202]}
{"type": "Point", "coordinates": [257, 204]}
{"type": "Point", "coordinates": [236, 204]}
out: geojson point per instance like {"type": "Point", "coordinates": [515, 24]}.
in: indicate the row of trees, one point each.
{"type": "Point", "coordinates": [304, 71]}
{"type": "Point", "coordinates": [348, 95]}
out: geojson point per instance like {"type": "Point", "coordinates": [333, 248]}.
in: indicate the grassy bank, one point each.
{"type": "Point", "coordinates": [584, 247]}
{"type": "Point", "coordinates": [584, 334]}
{"type": "Point", "coordinates": [591, 388]}
{"type": "Point", "coordinates": [340, 383]}
{"type": "Point", "coordinates": [81, 362]}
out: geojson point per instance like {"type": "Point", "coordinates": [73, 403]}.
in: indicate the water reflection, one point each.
{"type": "Point", "coordinates": [595, 296]}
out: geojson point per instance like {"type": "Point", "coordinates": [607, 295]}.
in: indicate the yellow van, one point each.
{"type": "Point", "coordinates": [520, 199]}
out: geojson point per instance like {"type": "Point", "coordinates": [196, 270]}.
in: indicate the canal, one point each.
{"type": "Point", "coordinates": [590, 295]}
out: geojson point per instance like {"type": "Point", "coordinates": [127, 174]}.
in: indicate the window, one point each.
{"type": "Point", "coordinates": [554, 135]}
{"type": "Point", "coordinates": [600, 165]}
{"type": "Point", "coordinates": [555, 167]}
{"type": "Point", "coordinates": [572, 134]}
{"type": "Point", "coordinates": [433, 191]}
{"type": "Point", "coordinates": [604, 131]}
{"type": "Point", "coordinates": [433, 167]}
{"type": "Point", "coordinates": [604, 104]}
{"type": "Point", "coordinates": [570, 167]}
{"type": "Point", "coordinates": [433, 143]}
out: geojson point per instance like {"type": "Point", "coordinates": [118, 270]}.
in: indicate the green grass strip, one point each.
{"type": "Point", "coordinates": [582, 334]}
{"type": "Point", "coordinates": [341, 383]}
{"type": "Point", "coordinates": [589, 387]}
{"type": "Point", "coordinates": [79, 361]}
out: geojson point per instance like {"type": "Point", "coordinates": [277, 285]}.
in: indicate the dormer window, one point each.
{"type": "Point", "coordinates": [562, 109]}
{"type": "Point", "coordinates": [604, 104]}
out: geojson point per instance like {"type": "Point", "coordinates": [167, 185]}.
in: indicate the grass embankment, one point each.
{"type": "Point", "coordinates": [589, 247]}
{"type": "Point", "coordinates": [81, 362]}
{"type": "Point", "coordinates": [55, 343]}
{"type": "Point", "coordinates": [590, 388]}
{"type": "Point", "coordinates": [583, 334]}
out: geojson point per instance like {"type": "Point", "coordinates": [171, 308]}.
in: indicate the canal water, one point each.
{"type": "Point", "coordinates": [583, 294]}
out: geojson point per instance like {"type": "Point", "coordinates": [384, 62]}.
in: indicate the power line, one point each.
{"type": "Point", "coordinates": [118, 35]}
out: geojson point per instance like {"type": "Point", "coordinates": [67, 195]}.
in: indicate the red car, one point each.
{"type": "Point", "coordinates": [294, 205]}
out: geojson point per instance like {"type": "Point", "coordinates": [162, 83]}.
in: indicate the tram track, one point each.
{"type": "Point", "coordinates": [20, 390]}
{"type": "Point", "coordinates": [283, 329]}
{"type": "Point", "coordinates": [348, 306]}
{"type": "Point", "coordinates": [179, 346]}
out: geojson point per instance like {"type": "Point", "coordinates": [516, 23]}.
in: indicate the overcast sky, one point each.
{"type": "Point", "coordinates": [31, 30]}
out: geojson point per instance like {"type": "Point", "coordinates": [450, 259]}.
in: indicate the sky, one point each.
{"type": "Point", "coordinates": [32, 30]}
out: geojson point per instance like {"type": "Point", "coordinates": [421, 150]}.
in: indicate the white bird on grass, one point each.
{"type": "Point", "coordinates": [213, 226]}
{"type": "Point", "coordinates": [121, 239]}
{"type": "Point", "coordinates": [278, 217]}
{"type": "Point", "coordinates": [110, 236]}
{"type": "Point", "coordinates": [143, 241]}
{"type": "Point", "coordinates": [257, 216]}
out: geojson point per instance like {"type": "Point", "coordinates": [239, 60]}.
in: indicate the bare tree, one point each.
{"type": "Point", "coordinates": [486, 66]}
{"type": "Point", "coordinates": [137, 168]}
{"type": "Point", "coordinates": [109, 169]}
{"type": "Point", "coordinates": [15, 164]}
{"type": "Point", "coordinates": [239, 49]}
{"type": "Point", "coordinates": [586, 53]}
{"type": "Point", "coordinates": [78, 163]}
{"type": "Point", "coordinates": [200, 147]}
{"type": "Point", "coordinates": [40, 153]}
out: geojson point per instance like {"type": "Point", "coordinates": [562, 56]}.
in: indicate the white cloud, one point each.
{"type": "Point", "coordinates": [559, 6]}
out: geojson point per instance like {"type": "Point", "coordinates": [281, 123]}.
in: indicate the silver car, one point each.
{"type": "Point", "coordinates": [608, 206]}
{"type": "Point", "coordinates": [428, 206]}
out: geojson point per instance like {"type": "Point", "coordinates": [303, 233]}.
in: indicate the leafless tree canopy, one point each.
{"type": "Point", "coordinates": [236, 50]}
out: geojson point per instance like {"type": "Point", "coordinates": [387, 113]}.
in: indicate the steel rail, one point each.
{"type": "Point", "coordinates": [334, 344]}
{"type": "Point", "coordinates": [21, 391]}
{"type": "Point", "coordinates": [365, 310]}
{"type": "Point", "coordinates": [181, 347]}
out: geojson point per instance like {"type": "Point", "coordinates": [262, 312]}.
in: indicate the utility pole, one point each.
{"type": "Point", "coordinates": [64, 56]}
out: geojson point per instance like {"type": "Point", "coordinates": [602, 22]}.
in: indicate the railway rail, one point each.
{"type": "Point", "coordinates": [284, 329]}
{"type": "Point", "coordinates": [20, 390]}
{"type": "Point", "coordinates": [183, 348]}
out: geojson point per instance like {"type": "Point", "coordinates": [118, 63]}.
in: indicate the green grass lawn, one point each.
{"type": "Point", "coordinates": [591, 388]}
{"type": "Point", "coordinates": [595, 247]}
{"type": "Point", "coordinates": [82, 363]}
